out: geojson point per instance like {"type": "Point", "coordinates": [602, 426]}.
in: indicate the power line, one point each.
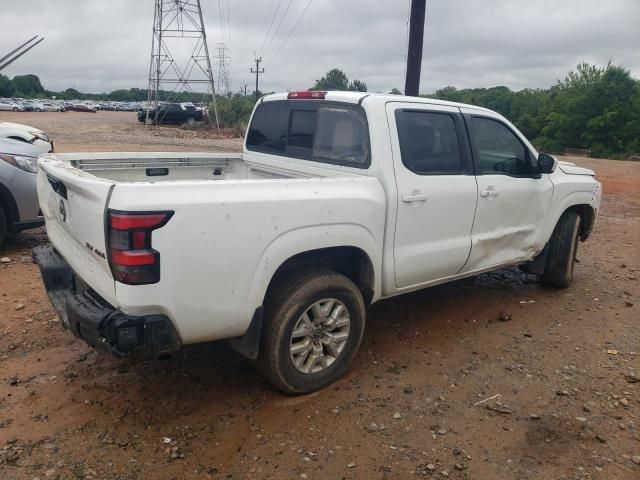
{"type": "Point", "coordinates": [221, 18]}
{"type": "Point", "coordinates": [228, 23]}
{"type": "Point", "coordinates": [292, 29]}
{"type": "Point", "coordinates": [275, 13]}
{"type": "Point", "coordinates": [275, 33]}
{"type": "Point", "coordinates": [264, 30]}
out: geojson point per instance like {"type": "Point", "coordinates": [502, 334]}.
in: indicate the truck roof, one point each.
{"type": "Point", "coordinates": [358, 97]}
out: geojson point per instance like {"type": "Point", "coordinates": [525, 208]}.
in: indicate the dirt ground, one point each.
{"type": "Point", "coordinates": [119, 131]}
{"type": "Point", "coordinates": [440, 389]}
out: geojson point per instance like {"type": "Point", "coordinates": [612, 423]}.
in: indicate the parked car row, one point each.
{"type": "Point", "coordinates": [119, 106]}
{"type": "Point", "coordinates": [26, 105]}
{"type": "Point", "coordinates": [48, 105]}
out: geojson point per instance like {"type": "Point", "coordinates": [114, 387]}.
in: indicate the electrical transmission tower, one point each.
{"type": "Point", "coordinates": [178, 27]}
{"type": "Point", "coordinates": [223, 75]}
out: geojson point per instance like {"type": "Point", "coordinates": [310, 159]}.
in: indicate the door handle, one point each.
{"type": "Point", "coordinates": [490, 192]}
{"type": "Point", "coordinates": [419, 197]}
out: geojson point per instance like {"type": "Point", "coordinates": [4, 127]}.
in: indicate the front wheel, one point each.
{"type": "Point", "coordinates": [563, 247]}
{"type": "Point", "coordinates": [191, 122]}
{"type": "Point", "coordinates": [314, 322]}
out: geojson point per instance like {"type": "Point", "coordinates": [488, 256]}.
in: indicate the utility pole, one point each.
{"type": "Point", "coordinates": [257, 71]}
{"type": "Point", "coordinates": [414, 55]}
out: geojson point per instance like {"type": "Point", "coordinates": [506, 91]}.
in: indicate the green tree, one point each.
{"type": "Point", "coordinates": [395, 91]}
{"type": "Point", "coordinates": [335, 79]}
{"type": "Point", "coordinates": [27, 85]}
{"type": "Point", "coordinates": [71, 94]}
{"type": "Point", "coordinates": [6, 87]}
{"type": "Point", "coordinates": [234, 111]}
{"type": "Point", "coordinates": [358, 86]}
{"type": "Point", "coordinates": [594, 107]}
{"type": "Point", "coordinates": [121, 95]}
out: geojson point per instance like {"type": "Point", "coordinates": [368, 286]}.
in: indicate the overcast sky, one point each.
{"type": "Point", "coordinates": [102, 45]}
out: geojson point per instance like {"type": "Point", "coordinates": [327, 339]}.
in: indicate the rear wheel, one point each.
{"type": "Point", "coordinates": [563, 247]}
{"type": "Point", "coordinates": [314, 322]}
{"type": "Point", "coordinates": [3, 225]}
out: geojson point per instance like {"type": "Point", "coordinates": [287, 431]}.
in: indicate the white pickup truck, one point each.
{"type": "Point", "coordinates": [338, 200]}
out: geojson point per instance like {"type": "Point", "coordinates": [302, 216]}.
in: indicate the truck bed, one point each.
{"type": "Point", "coordinates": [138, 167]}
{"type": "Point", "coordinates": [232, 217]}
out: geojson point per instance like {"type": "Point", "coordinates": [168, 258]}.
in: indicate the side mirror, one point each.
{"type": "Point", "coordinates": [546, 163]}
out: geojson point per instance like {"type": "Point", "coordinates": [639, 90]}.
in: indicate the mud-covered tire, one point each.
{"type": "Point", "coordinates": [191, 122]}
{"type": "Point", "coordinates": [3, 225]}
{"type": "Point", "coordinates": [288, 302]}
{"type": "Point", "coordinates": [562, 250]}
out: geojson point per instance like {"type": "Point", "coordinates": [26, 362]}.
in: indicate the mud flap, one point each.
{"type": "Point", "coordinates": [537, 265]}
{"type": "Point", "coordinates": [249, 343]}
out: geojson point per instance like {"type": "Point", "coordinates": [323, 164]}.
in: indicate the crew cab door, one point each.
{"type": "Point", "coordinates": [436, 192]}
{"type": "Point", "coordinates": [513, 197]}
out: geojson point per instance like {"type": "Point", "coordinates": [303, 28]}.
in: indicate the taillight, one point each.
{"type": "Point", "coordinates": [306, 94]}
{"type": "Point", "coordinates": [132, 259]}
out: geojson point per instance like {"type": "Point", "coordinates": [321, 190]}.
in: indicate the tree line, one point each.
{"type": "Point", "coordinates": [593, 107]}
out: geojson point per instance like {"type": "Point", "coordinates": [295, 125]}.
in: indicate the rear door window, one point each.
{"type": "Point", "coordinates": [312, 130]}
{"type": "Point", "coordinates": [429, 143]}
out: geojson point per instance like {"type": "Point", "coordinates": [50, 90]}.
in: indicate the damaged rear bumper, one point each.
{"type": "Point", "coordinates": [93, 320]}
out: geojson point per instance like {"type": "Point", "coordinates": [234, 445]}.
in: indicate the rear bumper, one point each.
{"type": "Point", "coordinates": [93, 320]}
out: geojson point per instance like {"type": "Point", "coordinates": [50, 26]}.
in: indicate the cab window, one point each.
{"type": "Point", "coordinates": [310, 130]}
{"type": "Point", "coordinates": [429, 144]}
{"type": "Point", "coordinates": [499, 150]}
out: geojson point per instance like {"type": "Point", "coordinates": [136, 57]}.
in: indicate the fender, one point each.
{"type": "Point", "coordinates": [583, 197]}
{"type": "Point", "coordinates": [294, 242]}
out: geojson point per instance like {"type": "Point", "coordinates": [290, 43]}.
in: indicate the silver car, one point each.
{"type": "Point", "coordinates": [19, 208]}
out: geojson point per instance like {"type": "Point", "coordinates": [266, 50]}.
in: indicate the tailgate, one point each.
{"type": "Point", "coordinates": [73, 204]}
